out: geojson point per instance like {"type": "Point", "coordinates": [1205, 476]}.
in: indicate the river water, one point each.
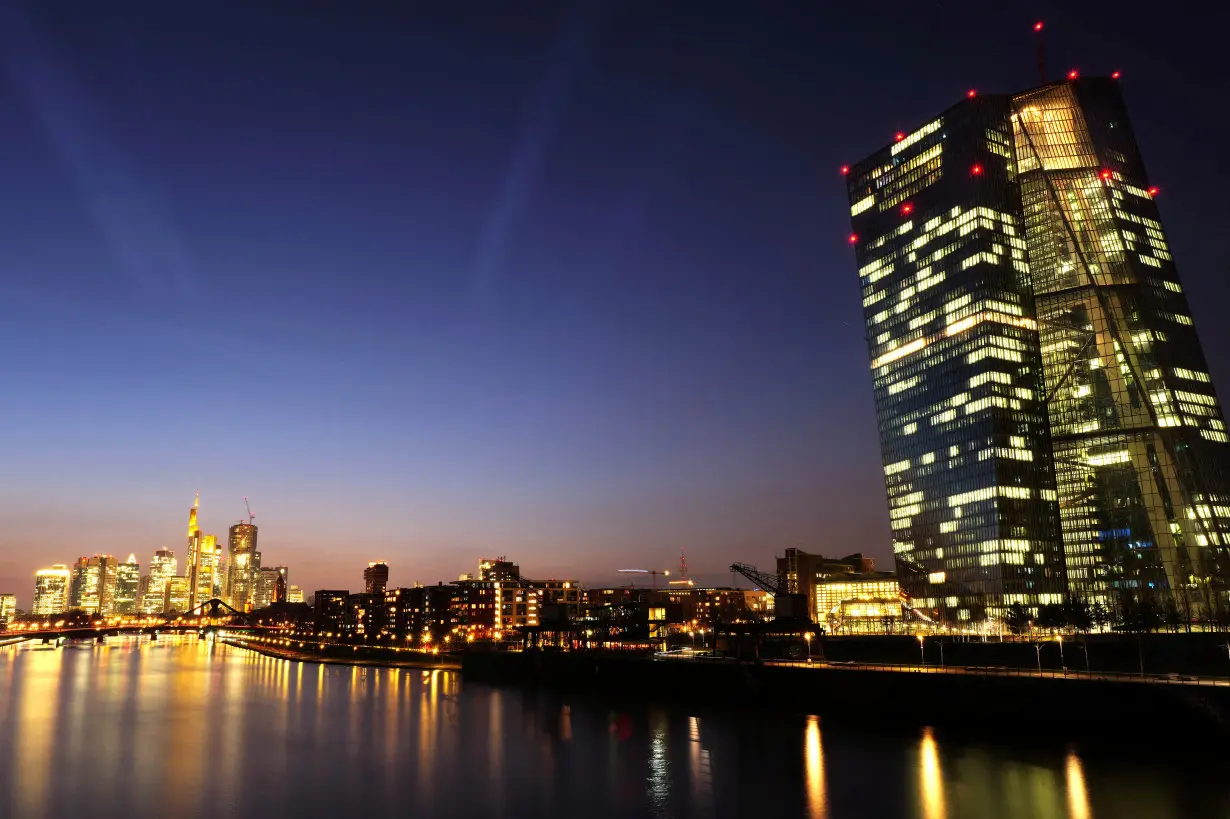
{"type": "Point", "coordinates": [185, 728]}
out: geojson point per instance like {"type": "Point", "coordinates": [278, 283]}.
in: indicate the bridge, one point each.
{"type": "Point", "coordinates": [204, 619]}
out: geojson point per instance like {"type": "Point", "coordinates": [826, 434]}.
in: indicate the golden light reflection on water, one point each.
{"type": "Point", "coordinates": [37, 713]}
{"type": "Point", "coordinates": [931, 778]}
{"type": "Point", "coordinates": [1078, 797]}
{"type": "Point", "coordinates": [817, 798]}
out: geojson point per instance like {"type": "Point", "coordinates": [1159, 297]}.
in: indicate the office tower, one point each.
{"type": "Point", "coordinates": [376, 577]}
{"type": "Point", "coordinates": [270, 587]}
{"type": "Point", "coordinates": [93, 584]}
{"type": "Point", "coordinates": [127, 586]}
{"type": "Point", "coordinates": [294, 594]}
{"type": "Point", "coordinates": [162, 568]}
{"type": "Point", "coordinates": [241, 544]}
{"type": "Point", "coordinates": [179, 595]}
{"type": "Point", "coordinates": [8, 609]}
{"type": "Point", "coordinates": [202, 560]}
{"type": "Point", "coordinates": [51, 588]}
{"type": "Point", "coordinates": [1140, 445]}
{"type": "Point", "coordinates": [1046, 418]}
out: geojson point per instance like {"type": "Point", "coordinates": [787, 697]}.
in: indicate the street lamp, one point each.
{"type": "Point", "coordinates": [807, 637]}
{"type": "Point", "coordinates": [922, 656]}
{"type": "Point", "coordinates": [1062, 663]}
{"type": "Point", "coordinates": [1038, 651]}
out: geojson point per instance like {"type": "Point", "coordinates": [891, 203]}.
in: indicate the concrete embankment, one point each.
{"type": "Point", "coordinates": [349, 655]}
{"type": "Point", "coordinates": [1001, 704]}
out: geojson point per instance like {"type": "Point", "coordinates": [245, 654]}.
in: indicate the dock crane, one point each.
{"type": "Point", "coordinates": [787, 605]}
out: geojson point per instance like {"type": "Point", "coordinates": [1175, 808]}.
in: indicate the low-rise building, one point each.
{"type": "Point", "coordinates": [867, 603]}
{"type": "Point", "coordinates": [329, 612]}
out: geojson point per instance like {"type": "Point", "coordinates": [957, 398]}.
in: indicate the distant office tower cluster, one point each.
{"type": "Point", "coordinates": [1047, 421]}
{"type": "Point", "coordinates": [101, 585]}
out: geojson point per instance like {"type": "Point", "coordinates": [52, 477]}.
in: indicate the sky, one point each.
{"type": "Point", "coordinates": [566, 282]}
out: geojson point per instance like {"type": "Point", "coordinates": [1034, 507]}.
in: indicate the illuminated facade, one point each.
{"type": "Point", "coordinates": [270, 587]}
{"type": "Point", "coordinates": [858, 603]}
{"type": "Point", "coordinates": [179, 595]}
{"type": "Point", "coordinates": [8, 609]}
{"type": "Point", "coordinates": [51, 588]}
{"type": "Point", "coordinates": [162, 568]}
{"type": "Point", "coordinates": [294, 594]}
{"type": "Point", "coordinates": [1140, 444]}
{"type": "Point", "coordinates": [93, 585]}
{"type": "Point", "coordinates": [127, 586]}
{"type": "Point", "coordinates": [1046, 416]}
{"type": "Point", "coordinates": [243, 564]}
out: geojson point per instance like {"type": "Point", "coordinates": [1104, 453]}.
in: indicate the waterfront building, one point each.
{"type": "Point", "coordinates": [162, 568]}
{"type": "Point", "coordinates": [294, 594]}
{"type": "Point", "coordinates": [376, 577]}
{"type": "Point", "coordinates": [1032, 351]}
{"type": "Point", "coordinates": [498, 568]}
{"type": "Point", "coordinates": [8, 609]}
{"type": "Point", "coordinates": [51, 590]}
{"type": "Point", "coordinates": [242, 564]}
{"type": "Point", "coordinates": [867, 603]}
{"type": "Point", "coordinates": [127, 586]}
{"type": "Point", "coordinates": [800, 570]}
{"type": "Point", "coordinates": [474, 607]}
{"type": "Point", "coordinates": [202, 567]}
{"type": "Point", "coordinates": [329, 612]}
{"type": "Point", "coordinates": [365, 618]}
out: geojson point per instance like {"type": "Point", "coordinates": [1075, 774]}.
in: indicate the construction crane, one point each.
{"type": "Point", "coordinates": [248, 506]}
{"type": "Point", "coordinates": [653, 572]}
{"type": "Point", "coordinates": [786, 604]}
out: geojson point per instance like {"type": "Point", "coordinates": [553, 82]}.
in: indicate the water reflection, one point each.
{"type": "Point", "coordinates": [192, 729]}
{"type": "Point", "coordinates": [930, 777]}
{"type": "Point", "coordinates": [1078, 799]}
{"type": "Point", "coordinates": [817, 802]}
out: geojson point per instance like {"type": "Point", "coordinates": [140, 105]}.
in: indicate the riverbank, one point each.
{"type": "Point", "coordinates": [964, 699]}
{"type": "Point", "coordinates": [348, 655]}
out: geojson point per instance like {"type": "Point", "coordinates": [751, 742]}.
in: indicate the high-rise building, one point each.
{"type": "Point", "coordinates": [202, 567]}
{"type": "Point", "coordinates": [127, 586]}
{"type": "Point", "coordinates": [376, 577]}
{"type": "Point", "coordinates": [329, 614]}
{"type": "Point", "coordinates": [294, 594]}
{"type": "Point", "coordinates": [1046, 416]}
{"type": "Point", "coordinates": [8, 609]}
{"type": "Point", "coordinates": [498, 568]}
{"type": "Point", "coordinates": [93, 584]}
{"type": "Point", "coordinates": [179, 594]}
{"type": "Point", "coordinates": [162, 568]}
{"type": "Point", "coordinates": [241, 544]}
{"type": "Point", "coordinates": [51, 588]}
{"type": "Point", "coordinates": [270, 587]}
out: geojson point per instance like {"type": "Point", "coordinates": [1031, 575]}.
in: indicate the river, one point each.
{"type": "Point", "coordinates": [186, 728]}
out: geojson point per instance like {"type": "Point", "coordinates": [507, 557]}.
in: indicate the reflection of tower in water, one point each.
{"type": "Point", "coordinates": [817, 798]}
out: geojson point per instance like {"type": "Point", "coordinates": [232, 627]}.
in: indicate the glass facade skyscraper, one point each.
{"type": "Point", "coordinates": [1047, 423]}
{"type": "Point", "coordinates": [243, 565]}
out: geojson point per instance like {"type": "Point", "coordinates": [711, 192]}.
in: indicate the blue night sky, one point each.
{"type": "Point", "coordinates": [562, 281]}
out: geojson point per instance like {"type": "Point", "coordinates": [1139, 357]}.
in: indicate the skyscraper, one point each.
{"type": "Point", "coordinates": [241, 543]}
{"type": "Point", "coordinates": [8, 609]}
{"type": "Point", "coordinates": [162, 568]}
{"type": "Point", "coordinates": [51, 587]}
{"type": "Point", "coordinates": [202, 560]}
{"type": "Point", "coordinates": [127, 586]}
{"type": "Point", "coordinates": [376, 577]}
{"type": "Point", "coordinates": [93, 584]}
{"type": "Point", "coordinates": [270, 587]}
{"type": "Point", "coordinates": [1046, 418]}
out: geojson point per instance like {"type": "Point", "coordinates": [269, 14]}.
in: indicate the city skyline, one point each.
{"type": "Point", "coordinates": [676, 360]}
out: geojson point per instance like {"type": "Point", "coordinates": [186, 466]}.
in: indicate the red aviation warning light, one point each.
{"type": "Point", "coordinates": [976, 170]}
{"type": "Point", "coordinates": [1105, 174]}
{"type": "Point", "coordinates": [1153, 191]}
{"type": "Point", "coordinates": [1114, 75]}
{"type": "Point", "coordinates": [1073, 74]}
{"type": "Point", "coordinates": [1038, 26]}
{"type": "Point", "coordinates": [971, 93]}
{"type": "Point", "coordinates": [907, 209]}
{"type": "Point", "coordinates": [853, 238]}
{"type": "Point", "coordinates": [899, 136]}
{"type": "Point", "coordinates": [845, 169]}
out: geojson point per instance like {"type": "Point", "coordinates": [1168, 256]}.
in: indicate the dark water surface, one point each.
{"type": "Point", "coordinates": [189, 728]}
